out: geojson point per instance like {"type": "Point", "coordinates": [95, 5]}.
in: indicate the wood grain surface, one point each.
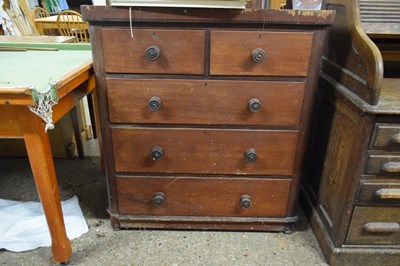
{"type": "Point", "coordinates": [191, 196]}
{"type": "Point", "coordinates": [287, 53]}
{"type": "Point", "coordinates": [181, 51]}
{"type": "Point", "coordinates": [205, 102]}
{"type": "Point", "coordinates": [204, 151]}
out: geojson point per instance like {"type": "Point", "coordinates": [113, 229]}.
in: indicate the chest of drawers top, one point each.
{"type": "Point", "coordinates": [205, 17]}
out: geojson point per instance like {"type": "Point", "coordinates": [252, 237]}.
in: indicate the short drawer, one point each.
{"type": "Point", "coordinates": [188, 196]}
{"type": "Point", "coordinates": [204, 102]}
{"type": "Point", "coordinates": [379, 192]}
{"type": "Point", "coordinates": [374, 226]}
{"type": "Point", "coordinates": [383, 164]}
{"type": "Point", "coordinates": [386, 136]}
{"type": "Point", "coordinates": [204, 151]}
{"type": "Point", "coordinates": [260, 53]}
{"type": "Point", "coordinates": [153, 51]}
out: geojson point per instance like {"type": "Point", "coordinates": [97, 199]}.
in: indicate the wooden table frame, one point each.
{"type": "Point", "coordinates": [46, 23]}
{"type": "Point", "coordinates": [16, 121]}
{"type": "Point", "coordinates": [38, 39]}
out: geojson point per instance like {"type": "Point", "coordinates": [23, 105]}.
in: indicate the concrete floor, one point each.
{"type": "Point", "coordinates": [104, 246]}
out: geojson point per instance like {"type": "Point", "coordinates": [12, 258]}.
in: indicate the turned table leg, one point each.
{"type": "Point", "coordinates": [42, 165]}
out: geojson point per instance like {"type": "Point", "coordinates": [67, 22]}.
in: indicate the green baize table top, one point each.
{"type": "Point", "coordinates": [38, 69]}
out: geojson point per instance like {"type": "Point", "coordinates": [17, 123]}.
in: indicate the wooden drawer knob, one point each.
{"type": "Point", "coordinates": [154, 103]}
{"type": "Point", "coordinates": [391, 167]}
{"type": "Point", "coordinates": [158, 199]}
{"type": "Point", "coordinates": [254, 105]}
{"type": "Point", "coordinates": [395, 138]}
{"type": "Point", "coordinates": [388, 193]}
{"type": "Point", "coordinates": [250, 155]}
{"type": "Point", "coordinates": [157, 153]}
{"type": "Point", "coordinates": [245, 201]}
{"type": "Point", "coordinates": [152, 53]}
{"type": "Point", "coordinates": [382, 228]}
{"type": "Point", "coordinates": [258, 55]}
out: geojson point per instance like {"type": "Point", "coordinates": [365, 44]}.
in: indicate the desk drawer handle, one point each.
{"type": "Point", "coordinates": [154, 103]}
{"type": "Point", "coordinates": [250, 155]}
{"type": "Point", "coordinates": [152, 53]}
{"type": "Point", "coordinates": [158, 199]}
{"type": "Point", "coordinates": [157, 153]}
{"type": "Point", "coordinates": [395, 138]}
{"type": "Point", "coordinates": [258, 55]}
{"type": "Point", "coordinates": [388, 193]}
{"type": "Point", "coordinates": [254, 105]}
{"type": "Point", "coordinates": [391, 167]}
{"type": "Point", "coordinates": [381, 228]}
{"type": "Point", "coordinates": [245, 201]}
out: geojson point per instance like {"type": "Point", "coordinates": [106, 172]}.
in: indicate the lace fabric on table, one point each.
{"type": "Point", "coordinates": [44, 102]}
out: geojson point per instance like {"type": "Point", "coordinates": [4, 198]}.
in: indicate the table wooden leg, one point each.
{"type": "Point", "coordinates": [92, 114]}
{"type": "Point", "coordinates": [96, 124]}
{"type": "Point", "coordinates": [40, 29]}
{"type": "Point", "coordinates": [77, 132]}
{"type": "Point", "coordinates": [42, 164]}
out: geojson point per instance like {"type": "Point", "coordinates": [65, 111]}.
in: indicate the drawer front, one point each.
{"type": "Point", "coordinates": [379, 192]}
{"type": "Point", "coordinates": [205, 102]}
{"type": "Point", "coordinates": [383, 164]}
{"type": "Point", "coordinates": [286, 53]}
{"type": "Point", "coordinates": [374, 226]}
{"type": "Point", "coordinates": [386, 136]}
{"type": "Point", "coordinates": [179, 51]}
{"type": "Point", "coordinates": [204, 151]}
{"type": "Point", "coordinates": [199, 196]}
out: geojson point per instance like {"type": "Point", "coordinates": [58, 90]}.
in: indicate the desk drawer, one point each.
{"type": "Point", "coordinates": [169, 51]}
{"type": "Point", "coordinates": [205, 102]}
{"type": "Point", "coordinates": [379, 192]}
{"type": "Point", "coordinates": [286, 53]}
{"type": "Point", "coordinates": [202, 196]}
{"type": "Point", "coordinates": [383, 164]}
{"type": "Point", "coordinates": [374, 226]}
{"type": "Point", "coordinates": [386, 136]}
{"type": "Point", "coordinates": [204, 151]}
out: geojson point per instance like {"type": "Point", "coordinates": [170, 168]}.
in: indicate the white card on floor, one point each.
{"type": "Point", "coordinates": [23, 225]}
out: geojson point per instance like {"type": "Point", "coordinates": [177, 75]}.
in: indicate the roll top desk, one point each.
{"type": "Point", "coordinates": [352, 176]}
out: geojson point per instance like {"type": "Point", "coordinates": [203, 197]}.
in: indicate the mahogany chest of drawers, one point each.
{"type": "Point", "coordinates": [204, 113]}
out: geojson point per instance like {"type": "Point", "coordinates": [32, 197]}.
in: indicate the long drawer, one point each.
{"type": "Point", "coordinates": [204, 102]}
{"type": "Point", "coordinates": [256, 53]}
{"type": "Point", "coordinates": [374, 226]}
{"type": "Point", "coordinates": [158, 51]}
{"type": "Point", "coordinates": [204, 151]}
{"type": "Point", "coordinates": [191, 196]}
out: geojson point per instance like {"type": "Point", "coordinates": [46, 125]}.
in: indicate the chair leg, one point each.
{"type": "Point", "coordinates": [92, 115]}
{"type": "Point", "coordinates": [77, 132]}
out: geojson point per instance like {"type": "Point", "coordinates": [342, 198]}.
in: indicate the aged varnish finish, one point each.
{"type": "Point", "coordinates": [205, 113]}
{"type": "Point", "coordinates": [352, 178]}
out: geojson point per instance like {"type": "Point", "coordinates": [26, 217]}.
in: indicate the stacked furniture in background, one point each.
{"type": "Point", "coordinates": [352, 179]}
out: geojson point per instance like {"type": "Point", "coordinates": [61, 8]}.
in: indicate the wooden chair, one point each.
{"type": "Point", "coordinates": [70, 23]}
{"type": "Point", "coordinates": [39, 12]}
